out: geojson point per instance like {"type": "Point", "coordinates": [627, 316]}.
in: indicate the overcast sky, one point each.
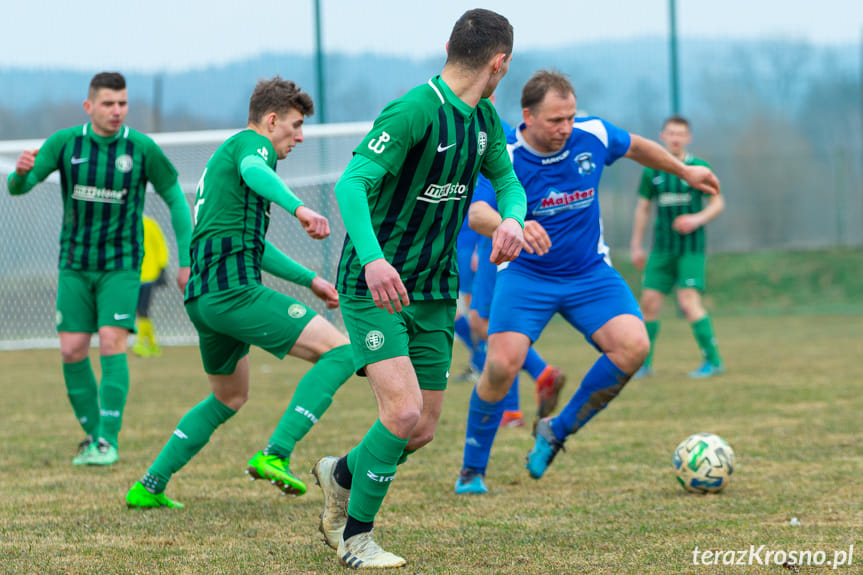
{"type": "Point", "coordinates": [175, 35]}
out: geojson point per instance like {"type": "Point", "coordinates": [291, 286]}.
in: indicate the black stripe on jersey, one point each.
{"type": "Point", "coordinates": [192, 289]}
{"type": "Point", "coordinates": [421, 208]}
{"type": "Point", "coordinates": [468, 179]}
{"type": "Point", "coordinates": [134, 224]}
{"type": "Point", "coordinates": [106, 209]}
{"type": "Point", "coordinates": [205, 265]}
{"type": "Point", "coordinates": [89, 208]}
{"type": "Point", "coordinates": [345, 260]}
{"type": "Point", "coordinates": [222, 268]}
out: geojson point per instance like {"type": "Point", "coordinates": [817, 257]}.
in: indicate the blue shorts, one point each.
{"type": "Point", "coordinates": [465, 246]}
{"type": "Point", "coordinates": [525, 303]}
{"type": "Point", "coordinates": [483, 280]}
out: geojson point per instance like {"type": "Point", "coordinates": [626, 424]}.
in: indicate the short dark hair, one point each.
{"type": "Point", "coordinates": [279, 96]}
{"type": "Point", "coordinates": [542, 81]}
{"type": "Point", "coordinates": [676, 119]}
{"type": "Point", "coordinates": [109, 80]}
{"type": "Point", "coordinates": [477, 37]}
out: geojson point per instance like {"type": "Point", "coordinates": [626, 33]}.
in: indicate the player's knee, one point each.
{"type": "Point", "coordinates": [639, 348]}
{"type": "Point", "coordinates": [401, 421]}
{"type": "Point", "coordinates": [501, 368]}
{"type": "Point", "coordinates": [234, 400]}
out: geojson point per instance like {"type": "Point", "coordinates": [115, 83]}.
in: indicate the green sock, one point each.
{"type": "Point", "coordinates": [703, 332]}
{"type": "Point", "coordinates": [112, 396]}
{"type": "Point", "coordinates": [313, 396]}
{"type": "Point", "coordinates": [652, 334]}
{"type": "Point", "coordinates": [191, 435]}
{"type": "Point", "coordinates": [83, 394]}
{"type": "Point", "coordinates": [373, 465]}
{"type": "Point", "coordinates": [404, 456]}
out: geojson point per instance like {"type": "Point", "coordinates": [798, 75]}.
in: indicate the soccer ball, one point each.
{"type": "Point", "coordinates": [704, 463]}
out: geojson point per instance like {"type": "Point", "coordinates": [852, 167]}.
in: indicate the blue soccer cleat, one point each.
{"type": "Point", "coordinates": [470, 482]}
{"type": "Point", "coordinates": [544, 450]}
{"type": "Point", "coordinates": [706, 370]}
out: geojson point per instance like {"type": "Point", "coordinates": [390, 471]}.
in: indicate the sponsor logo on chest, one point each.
{"type": "Point", "coordinates": [556, 201]}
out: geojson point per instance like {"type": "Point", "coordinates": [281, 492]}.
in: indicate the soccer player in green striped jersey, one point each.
{"type": "Point", "coordinates": [403, 198]}
{"type": "Point", "coordinates": [232, 310]}
{"type": "Point", "coordinates": [104, 170]}
{"type": "Point", "coordinates": [678, 257]}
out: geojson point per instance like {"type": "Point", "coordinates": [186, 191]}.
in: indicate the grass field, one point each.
{"type": "Point", "coordinates": [790, 406]}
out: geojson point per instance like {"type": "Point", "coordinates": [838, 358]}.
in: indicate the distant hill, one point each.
{"type": "Point", "coordinates": [626, 81]}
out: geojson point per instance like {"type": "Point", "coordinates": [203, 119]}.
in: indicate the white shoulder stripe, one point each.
{"type": "Point", "coordinates": [595, 127]}
{"type": "Point", "coordinates": [439, 95]}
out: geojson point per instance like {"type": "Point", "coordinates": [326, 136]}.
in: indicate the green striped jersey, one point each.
{"type": "Point", "coordinates": [673, 197]}
{"type": "Point", "coordinates": [103, 180]}
{"type": "Point", "coordinates": [433, 147]}
{"type": "Point", "coordinates": [231, 220]}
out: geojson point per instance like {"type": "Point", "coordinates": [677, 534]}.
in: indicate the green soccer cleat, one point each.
{"type": "Point", "coordinates": [81, 457]}
{"type": "Point", "coordinates": [139, 498]}
{"type": "Point", "coordinates": [275, 470]}
{"type": "Point", "coordinates": [98, 453]}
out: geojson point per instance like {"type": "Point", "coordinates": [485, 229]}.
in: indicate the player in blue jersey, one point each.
{"type": "Point", "coordinates": [559, 161]}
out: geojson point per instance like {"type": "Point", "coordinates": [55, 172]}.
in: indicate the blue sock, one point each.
{"type": "Point", "coordinates": [462, 331]}
{"type": "Point", "coordinates": [601, 384]}
{"type": "Point", "coordinates": [533, 363]}
{"type": "Point", "coordinates": [477, 361]}
{"type": "Point", "coordinates": [511, 401]}
{"type": "Point", "coordinates": [483, 419]}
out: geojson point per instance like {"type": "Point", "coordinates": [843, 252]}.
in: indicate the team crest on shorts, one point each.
{"type": "Point", "coordinates": [374, 340]}
{"type": "Point", "coordinates": [296, 311]}
{"type": "Point", "coordinates": [58, 317]}
{"type": "Point", "coordinates": [124, 163]}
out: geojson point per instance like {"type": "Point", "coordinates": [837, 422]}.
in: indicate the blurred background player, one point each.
{"type": "Point", "coordinates": [104, 170]}
{"type": "Point", "coordinates": [231, 309]}
{"type": "Point", "coordinates": [152, 276]}
{"type": "Point", "coordinates": [678, 258]}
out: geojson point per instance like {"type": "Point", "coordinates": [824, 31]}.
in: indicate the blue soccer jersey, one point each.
{"type": "Point", "coordinates": [563, 195]}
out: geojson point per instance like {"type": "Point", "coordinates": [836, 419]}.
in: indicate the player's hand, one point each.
{"type": "Point", "coordinates": [314, 223]}
{"type": "Point", "coordinates": [637, 257]}
{"type": "Point", "coordinates": [702, 178]}
{"type": "Point", "coordinates": [536, 240]}
{"type": "Point", "coordinates": [325, 291]}
{"type": "Point", "coordinates": [686, 223]}
{"type": "Point", "coordinates": [506, 241]}
{"type": "Point", "coordinates": [25, 162]}
{"type": "Point", "coordinates": [385, 285]}
{"type": "Point", "coordinates": [183, 278]}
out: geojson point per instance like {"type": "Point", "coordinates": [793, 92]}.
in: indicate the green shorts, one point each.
{"type": "Point", "coordinates": [423, 331]}
{"type": "Point", "coordinates": [88, 300]}
{"type": "Point", "coordinates": [229, 322]}
{"type": "Point", "coordinates": [665, 271]}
